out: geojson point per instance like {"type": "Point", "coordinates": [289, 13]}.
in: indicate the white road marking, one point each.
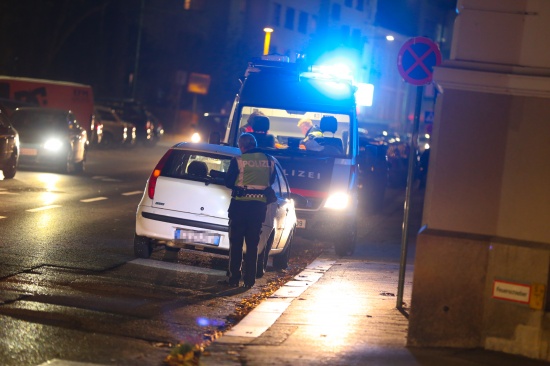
{"type": "Point", "coordinates": [43, 208]}
{"type": "Point", "coordinates": [132, 193]}
{"type": "Point", "coordinates": [105, 179]}
{"type": "Point", "coordinates": [94, 199]}
{"type": "Point", "coordinates": [3, 217]}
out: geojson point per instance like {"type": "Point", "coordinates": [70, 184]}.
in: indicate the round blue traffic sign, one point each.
{"type": "Point", "coordinates": [417, 59]}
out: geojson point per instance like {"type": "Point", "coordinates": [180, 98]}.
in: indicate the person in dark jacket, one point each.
{"type": "Point", "coordinates": [260, 131]}
{"type": "Point", "coordinates": [248, 176]}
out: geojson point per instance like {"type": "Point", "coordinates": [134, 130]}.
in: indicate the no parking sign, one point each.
{"type": "Point", "coordinates": [416, 60]}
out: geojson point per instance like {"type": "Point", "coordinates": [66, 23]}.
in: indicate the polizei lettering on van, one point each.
{"type": "Point", "coordinates": [302, 174]}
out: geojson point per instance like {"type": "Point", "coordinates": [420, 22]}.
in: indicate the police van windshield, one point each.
{"type": "Point", "coordinates": [308, 131]}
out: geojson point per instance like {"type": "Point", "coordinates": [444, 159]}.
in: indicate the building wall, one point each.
{"type": "Point", "coordinates": [486, 208]}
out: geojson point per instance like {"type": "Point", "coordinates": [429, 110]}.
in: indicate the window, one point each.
{"type": "Point", "coordinates": [276, 16]}
{"type": "Point", "coordinates": [285, 191]}
{"type": "Point", "coordinates": [335, 13]}
{"type": "Point", "coordinates": [302, 22]}
{"type": "Point", "coordinates": [192, 166]}
{"type": "Point", "coordinates": [4, 122]}
{"type": "Point", "coordinates": [289, 18]}
{"type": "Point", "coordinates": [356, 38]}
{"type": "Point", "coordinates": [360, 5]}
{"type": "Point", "coordinates": [276, 184]}
{"type": "Point", "coordinates": [348, 3]}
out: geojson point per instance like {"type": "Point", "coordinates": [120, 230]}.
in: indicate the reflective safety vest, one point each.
{"type": "Point", "coordinates": [255, 171]}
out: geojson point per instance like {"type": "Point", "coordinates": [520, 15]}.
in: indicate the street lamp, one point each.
{"type": "Point", "coordinates": [267, 39]}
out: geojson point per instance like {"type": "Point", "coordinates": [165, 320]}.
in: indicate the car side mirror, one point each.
{"type": "Point", "coordinates": [300, 200]}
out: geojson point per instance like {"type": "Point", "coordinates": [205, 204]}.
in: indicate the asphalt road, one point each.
{"type": "Point", "coordinates": [71, 289]}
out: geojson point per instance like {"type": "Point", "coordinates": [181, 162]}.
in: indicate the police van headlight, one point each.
{"type": "Point", "coordinates": [337, 201]}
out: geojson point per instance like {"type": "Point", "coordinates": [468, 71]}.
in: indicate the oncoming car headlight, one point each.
{"type": "Point", "coordinates": [53, 144]}
{"type": "Point", "coordinates": [196, 137]}
{"type": "Point", "coordinates": [337, 201]}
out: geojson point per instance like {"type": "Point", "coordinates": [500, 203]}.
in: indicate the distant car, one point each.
{"type": "Point", "coordinates": [9, 146]}
{"type": "Point", "coordinates": [149, 130]}
{"type": "Point", "coordinates": [51, 138]}
{"type": "Point", "coordinates": [185, 206]}
{"type": "Point", "coordinates": [116, 132]}
{"type": "Point", "coordinates": [210, 126]}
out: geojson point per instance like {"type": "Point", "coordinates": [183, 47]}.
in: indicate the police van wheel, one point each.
{"type": "Point", "coordinates": [143, 247]}
{"type": "Point", "coordinates": [346, 246]}
{"type": "Point", "coordinates": [280, 261]}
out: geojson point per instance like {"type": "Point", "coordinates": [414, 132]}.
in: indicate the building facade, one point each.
{"type": "Point", "coordinates": [483, 258]}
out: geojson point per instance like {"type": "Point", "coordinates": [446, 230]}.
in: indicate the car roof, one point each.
{"type": "Point", "coordinates": [208, 148]}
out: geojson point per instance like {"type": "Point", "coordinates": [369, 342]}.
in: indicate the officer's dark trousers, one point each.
{"type": "Point", "coordinates": [245, 223]}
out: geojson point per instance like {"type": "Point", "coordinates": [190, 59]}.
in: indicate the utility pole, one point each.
{"type": "Point", "coordinates": [138, 50]}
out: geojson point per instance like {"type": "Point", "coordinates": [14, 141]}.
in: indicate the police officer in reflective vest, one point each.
{"type": "Point", "coordinates": [248, 176]}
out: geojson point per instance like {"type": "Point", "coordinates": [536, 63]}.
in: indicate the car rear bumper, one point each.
{"type": "Point", "coordinates": [161, 225]}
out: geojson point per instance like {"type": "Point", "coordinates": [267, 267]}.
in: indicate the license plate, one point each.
{"type": "Point", "coordinates": [300, 223]}
{"type": "Point", "coordinates": [197, 237]}
{"type": "Point", "coordinates": [29, 152]}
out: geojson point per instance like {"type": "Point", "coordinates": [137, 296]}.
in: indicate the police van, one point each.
{"type": "Point", "coordinates": [323, 178]}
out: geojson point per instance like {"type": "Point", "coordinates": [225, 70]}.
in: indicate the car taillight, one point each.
{"type": "Point", "coordinates": [155, 174]}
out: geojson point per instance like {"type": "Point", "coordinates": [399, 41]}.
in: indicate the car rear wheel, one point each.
{"type": "Point", "coordinates": [10, 169]}
{"type": "Point", "coordinates": [81, 165]}
{"type": "Point", "coordinates": [280, 261]}
{"type": "Point", "coordinates": [108, 141]}
{"type": "Point", "coordinates": [67, 166]}
{"type": "Point", "coordinates": [143, 246]}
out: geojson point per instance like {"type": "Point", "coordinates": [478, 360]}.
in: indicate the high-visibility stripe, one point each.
{"type": "Point", "coordinates": [309, 193]}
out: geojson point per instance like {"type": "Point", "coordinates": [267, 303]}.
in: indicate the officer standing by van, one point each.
{"type": "Point", "coordinates": [248, 176]}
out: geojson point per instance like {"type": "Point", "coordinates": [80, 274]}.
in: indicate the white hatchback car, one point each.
{"type": "Point", "coordinates": [185, 206]}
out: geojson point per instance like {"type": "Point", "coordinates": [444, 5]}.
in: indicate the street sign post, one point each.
{"type": "Point", "coordinates": [416, 61]}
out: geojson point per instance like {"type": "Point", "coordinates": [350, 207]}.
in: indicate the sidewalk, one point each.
{"type": "Point", "coordinates": [338, 311]}
{"type": "Point", "coordinates": [342, 311]}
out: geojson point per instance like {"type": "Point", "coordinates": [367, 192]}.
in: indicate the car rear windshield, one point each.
{"type": "Point", "coordinates": [40, 119]}
{"type": "Point", "coordinates": [197, 166]}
